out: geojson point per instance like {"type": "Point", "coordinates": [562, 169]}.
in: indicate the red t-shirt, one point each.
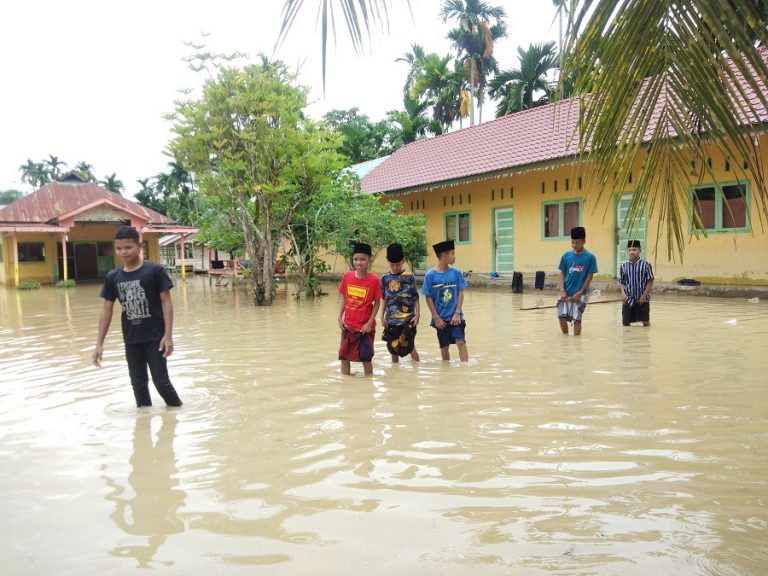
{"type": "Point", "coordinates": [359, 296]}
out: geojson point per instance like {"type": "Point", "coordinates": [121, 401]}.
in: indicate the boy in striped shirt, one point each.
{"type": "Point", "coordinates": [636, 281]}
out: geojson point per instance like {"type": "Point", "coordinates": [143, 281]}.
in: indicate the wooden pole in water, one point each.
{"type": "Point", "coordinates": [555, 305]}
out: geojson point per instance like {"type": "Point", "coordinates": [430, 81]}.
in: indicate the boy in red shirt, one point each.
{"type": "Point", "coordinates": [360, 300]}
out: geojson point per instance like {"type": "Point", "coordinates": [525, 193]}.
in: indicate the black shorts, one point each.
{"type": "Point", "coordinates": [451, 333]}
{"type": "Point", "coordinates": [635, 313]}
{"type": "Point", "coordinates": [400, 339]}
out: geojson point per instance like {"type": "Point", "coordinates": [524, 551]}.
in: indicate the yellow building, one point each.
{"type": "Point", "coordinates": [509, 191]}
{"type": "Point", "coordinates": [65, 230]}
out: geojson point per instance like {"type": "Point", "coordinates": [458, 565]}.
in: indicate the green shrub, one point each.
{"type": "Point", "coordinates": [28, 285]}
{"type": "Point", "coordinates": [68, 283]}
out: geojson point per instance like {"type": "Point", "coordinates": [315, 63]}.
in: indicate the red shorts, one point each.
{"type": "Point", "coordinates": [356, 346]}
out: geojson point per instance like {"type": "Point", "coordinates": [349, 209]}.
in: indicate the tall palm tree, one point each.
{"type": "Point", "coordinates": [517, 88]}
{"type": "Point", "coordinates": [654, 69]}
{"type": "Point", "coordinates": [413, 59]}
{"type": "Point", "coordinates": [113, 184]}
{"type": "Point", "coordinates": [409, 124]}
{"type": "Point", "coordinates": [479, 26]}
{"type": "Point", "coordinates": [440, 81]}
{"type": "Point", "coordinates": [53, 164]}
{"type": "Point", "coordinates": [35, 174]}
{"type": "Point", "coordinates": [86, 171]}
{"type": "Point", "coordinates": [359, 16]}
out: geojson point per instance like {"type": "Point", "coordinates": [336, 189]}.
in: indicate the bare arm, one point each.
{"type": "Point", "coordinates": [369, 325]}
{"type": "Point", "coordinates": [105, 319]}
{"type": "Point", "coordinates": [563, 295]}
{"type": "Point", "coordinates": [166, 344]}
{"type": "Point", "coordinates": [584, 287]}
{"type": "Point", "coordinates": [644, 296]}
{"type": "Point", "coordinates": [416, 313]}
{"type": "Point", "coordinates": [456, 318]}
{"type": "Point", "coordinates": [342, 305]}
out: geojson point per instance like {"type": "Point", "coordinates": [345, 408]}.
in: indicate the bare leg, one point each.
{"type": "Point", "coordinates": [395, 358]}
{"type": "Point", "coordinates": [414, 355]}
{"type": "Point", "coordinates": [564, 326]}
{"type": "Point", "coordinates": [368, 368]}
{"type": "Point", "coordinates": [577, 328]}
{"type": "Point", "coordinates": [444, 353]}
{"type": "Point", "coordinates": [463, 353]}
{"type": "Point", "coordinates": [345, 367]}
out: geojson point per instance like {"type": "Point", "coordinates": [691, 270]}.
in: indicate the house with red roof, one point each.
{"type": "Point", "coordinates": [65, 230]}
{"type": "Point", "coordinates": [509, 191]}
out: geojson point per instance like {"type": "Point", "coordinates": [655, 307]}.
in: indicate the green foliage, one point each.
{"type": "Point", "coordinates": [28, 285]}
{"type": "Point", "coordinates": [68, 283]}
{"type": "Point", "coordinates": [517, 88]}
{"type": "Point", "coordinates": [247, 141]}
{"type": "Point", "coordinates": [361, 139]}
{"type": "Point", "coordinates": [10, 196]}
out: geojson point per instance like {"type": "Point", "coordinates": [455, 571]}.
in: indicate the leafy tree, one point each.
{"type": "Point", "coordinates": [410, 124]}
{"type": "Point", "coordinates": [439, 81]}
{"type": "Point", "coordinates": [246, 139]}
{"type": "Point", "coordinates": [479, 26]}
{"type": "Point", "coordinates": [361, 139]}
{"type": "Point", "coordinates": [149, 197]}
{"type": "Point", "coordinates": [517, 88]}
{"type": "Point", "coordinates": [10, 196]}
{"type": "Point", "coordinates": [659, 68]}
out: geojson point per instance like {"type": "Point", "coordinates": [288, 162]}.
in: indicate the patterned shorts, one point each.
{"type": "Point", "coordinates": [571, 311]}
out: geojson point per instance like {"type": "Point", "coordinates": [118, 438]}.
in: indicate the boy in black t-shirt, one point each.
{"type": "Point", "coordinates": [143, 289]}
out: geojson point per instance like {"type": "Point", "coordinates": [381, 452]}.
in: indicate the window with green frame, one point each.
{"type": "Point", "coordinates": [720, 208]}
{"type": "Point", "coordinates": [145, 250]}
{"type": "Point", "coordinates": [31, 252]}
{"type": "Point", "coordinates": [559, 217]}
{"type": "Point", "coordinates": [457, 226]}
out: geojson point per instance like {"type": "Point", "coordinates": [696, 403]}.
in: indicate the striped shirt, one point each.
{"type": "Point", "coordinates": [634, 276]}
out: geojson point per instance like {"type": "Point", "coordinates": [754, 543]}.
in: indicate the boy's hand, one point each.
{"type": "Point", "coordinates": [367, 326]}
{"type": "Point", "coordinates": [415, 320]}
{"type": "Point", "coordinates": [439, 323]}
{"type": "Point", "coordinates": [96, 356]}
{"type": "Point", "coordinates": [456, 319]}
{"type": "Point", "coordinates": [643, 299]}
{"type": "Point", "coordinates": [577, 296]}
{"type": "Point", "coordinates": [166, 346]}
{"type": "Point", "coordinates": [341, 323]}
{"type": "Point", "coordinates": [563, 295]}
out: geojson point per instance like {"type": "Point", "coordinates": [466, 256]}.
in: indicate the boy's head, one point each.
{"type": "Point", "coordinates": [127, 244]}
{"type": "Point", "coordinates": [634, 249]}
{"type": "Point", "coordinates": [578, 238]}
{"type": "Point", "coordinates": [395, 257]}
{"type": "Point", "coordinates": [445, 251]}
{"type": "Point", "coordinates": [361, 256]}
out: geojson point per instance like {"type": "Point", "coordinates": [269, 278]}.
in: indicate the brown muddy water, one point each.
{"type": "Point", "coordinates": [628, 451]}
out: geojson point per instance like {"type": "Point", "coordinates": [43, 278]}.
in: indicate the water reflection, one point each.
{"type": "Point", "coordinates": [625, 451]}
{"type": "Point", "coordinates": [148, 507]}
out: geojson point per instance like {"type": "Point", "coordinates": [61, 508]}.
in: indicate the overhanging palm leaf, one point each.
{"type": "Point", "coordinates": [358, 15]}
{"type": "Point", "coordinates": [669, 82]}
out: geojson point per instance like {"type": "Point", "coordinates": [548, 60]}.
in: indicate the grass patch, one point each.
{"type": "Point", "coordinates": [69, 283]}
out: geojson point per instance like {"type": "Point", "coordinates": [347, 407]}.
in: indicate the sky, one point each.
{"type": "Point", "coordinates": [89, 80]}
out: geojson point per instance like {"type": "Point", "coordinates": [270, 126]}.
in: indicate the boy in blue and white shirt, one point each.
{"type": "Point", "coordinates": [444, 292]}
{"type": "Point", "coordinates": [636, 281]}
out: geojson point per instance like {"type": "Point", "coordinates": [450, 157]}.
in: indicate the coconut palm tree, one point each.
{"type": "Point", "coordinates": [479, 26]}
{"type": "Point", "coordinates": [654, 69]}
{"type": "Point", "coordinates": [528, 85]}
{"type": "Point", "coordinates": [359, 16]}
{"type": "Point", "coordinates": [35, 174]}
{"type": "Point", "coordinates": [86, 171]}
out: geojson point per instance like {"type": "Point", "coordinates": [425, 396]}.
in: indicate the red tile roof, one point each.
{"type": "Point", "coordinates": [56, 200]}
{"type": "Point", "coordinates": [529, 137]}
{"type": "Point", "coordinates": [510, 144]}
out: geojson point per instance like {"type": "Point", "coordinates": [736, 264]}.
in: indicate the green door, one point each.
{"type": "Point", "coordinates": [504, 240]}
{"type": "Point", "coordinates": [627, 230]}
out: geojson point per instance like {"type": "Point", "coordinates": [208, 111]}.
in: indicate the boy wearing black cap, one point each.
{"type": "Point", "coordinates": [400, 313]}
{"type": "Point", "coordinates": [636, 281]}
{"type": "Point", "coordinates": [444, 292]}
{"type": "Point", "coordinates": [576, 267]}
{"type": "Point", "coordinates": [360, 300]}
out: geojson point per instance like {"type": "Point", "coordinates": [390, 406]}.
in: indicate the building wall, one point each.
{"type": "Point", "coordinates": [729, 256]}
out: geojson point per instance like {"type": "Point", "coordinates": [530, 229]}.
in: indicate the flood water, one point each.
{"type": "Point", "coordinates": [627, 451]}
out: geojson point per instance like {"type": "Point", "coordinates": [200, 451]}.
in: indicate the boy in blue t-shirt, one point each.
{"type": "Point", "coordinates": [576, 267]}
{"type": "Point", "coordinates": [444, 292]}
